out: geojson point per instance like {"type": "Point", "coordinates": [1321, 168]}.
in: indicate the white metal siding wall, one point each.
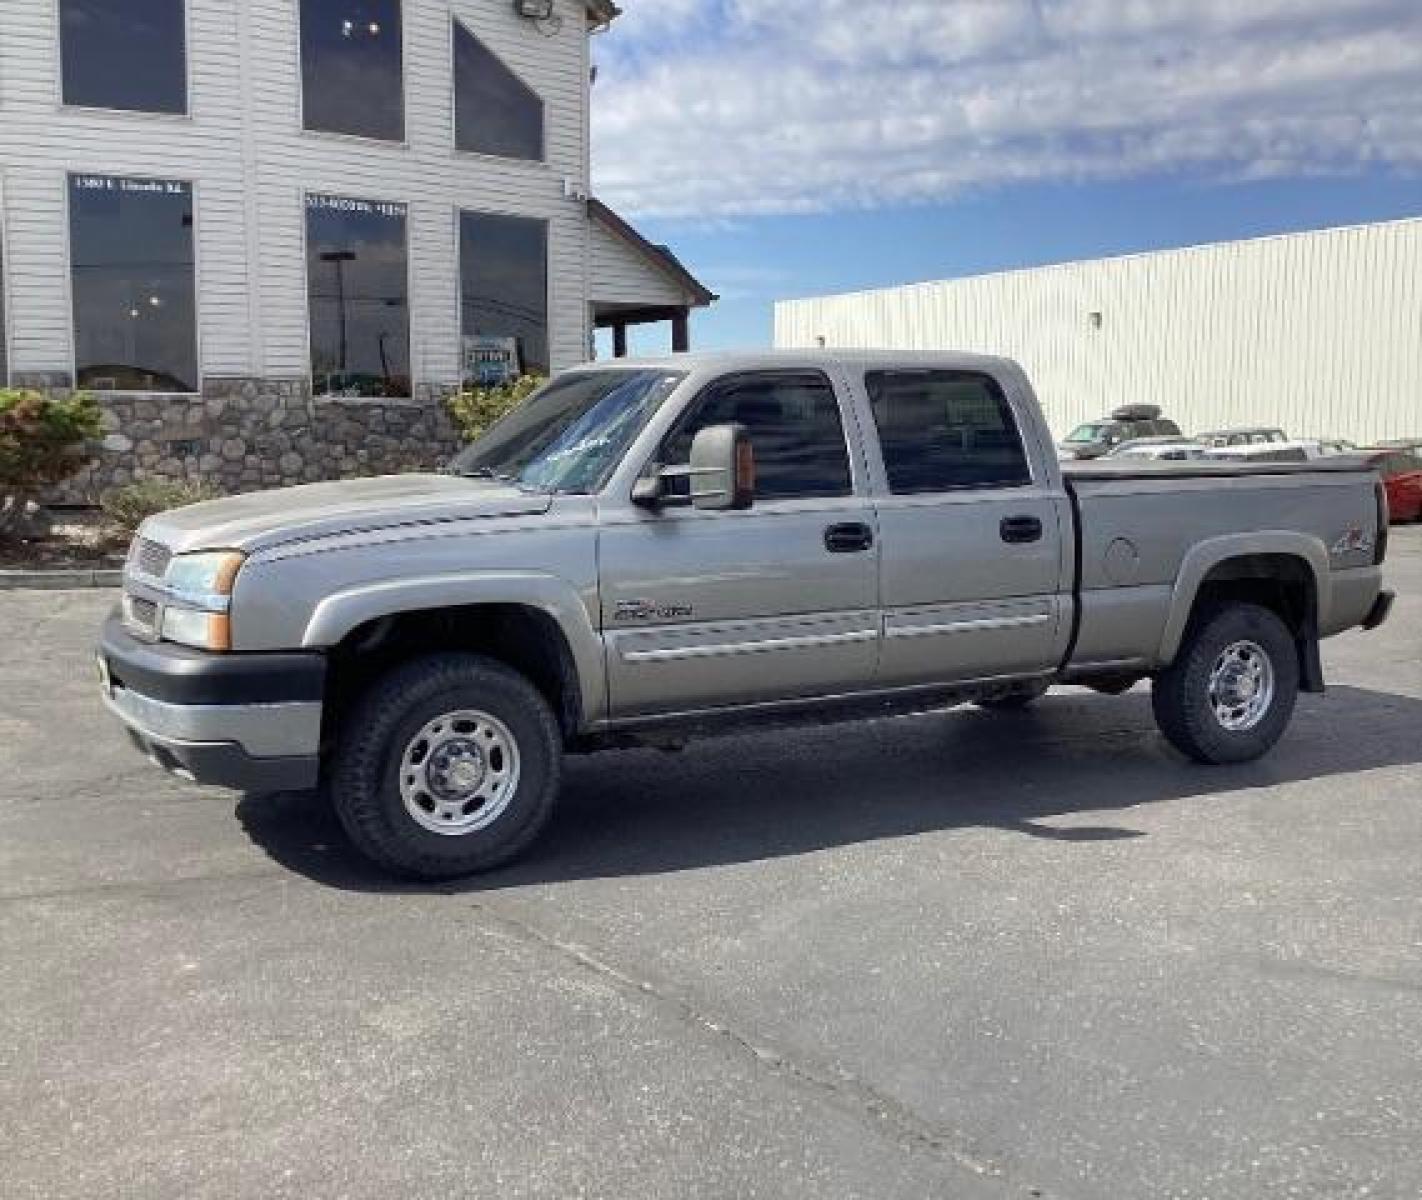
{"type": "Point", "coordinates": [250, 176]}
{"type": "Point", "coordinates": [1320, 333]}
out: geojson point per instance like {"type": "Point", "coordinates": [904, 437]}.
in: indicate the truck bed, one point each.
{"type": "Point", "coordinates": [1143, 525]}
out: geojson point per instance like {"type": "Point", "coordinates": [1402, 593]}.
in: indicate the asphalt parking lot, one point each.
{"type": "Point", "coordinates": [957, 955]}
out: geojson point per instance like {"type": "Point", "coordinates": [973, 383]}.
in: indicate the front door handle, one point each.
{"type": "Point", "coordinates": [1019, 530]}
{"type": "Point", "coordinates": [850, 538]}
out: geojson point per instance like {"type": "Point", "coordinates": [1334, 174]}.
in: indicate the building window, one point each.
{"type": "Point", "coordinates": [133, 284]}
{"type": "Point", "coordinates": [4, 346]}
{"type": "Point", "coordinates": [503, 289]}
{"type": "Point", "coordinates": [358, 283]}
{"type": "Point", "coordinates": [495, 112]}
{"type": "Point", "coordinates": [351, 68]}
{"type": "Point", "coordinates": [943, 431]}
{"type": "Point", "coordinates": [128, 54]}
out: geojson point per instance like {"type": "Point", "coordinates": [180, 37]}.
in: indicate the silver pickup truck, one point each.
{"type": "Point", "coordinates": [645, 551]}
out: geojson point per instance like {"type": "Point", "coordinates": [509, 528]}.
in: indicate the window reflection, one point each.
{"type": "Point", "coordinates": [503, 270]}
{"type": "Point", "coordinates": [495, 111]}
{"type": "Point", "coordinates": [351, 68]}
{"type": "Point", "coordinates": [358, 286]}
{"type": "Point", "coordinates": [131, 262]}
{"type": "Point", "coordinates": [128, 54]}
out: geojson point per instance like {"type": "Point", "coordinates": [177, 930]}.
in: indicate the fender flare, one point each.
{"type": "Point", "coordinates": [340, 613]}
{"type": "Point", "coordinates": [1211, 553]}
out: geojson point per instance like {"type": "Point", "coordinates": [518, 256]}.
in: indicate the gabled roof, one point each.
{"type": "Point", "coordinates": [659, 257]}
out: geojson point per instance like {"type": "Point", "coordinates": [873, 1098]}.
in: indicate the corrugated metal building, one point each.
{"type": "Point", "coordinates": [1320, 333]}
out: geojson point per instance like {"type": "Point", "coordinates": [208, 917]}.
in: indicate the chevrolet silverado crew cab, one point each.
{"type": "Point", "coordinates": [644, 551]}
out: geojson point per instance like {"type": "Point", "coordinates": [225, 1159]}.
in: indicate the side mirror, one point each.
{"type": "Point", "coordinates": [722, 469]}
{"type": "Point", "coordinates": [720, 476]}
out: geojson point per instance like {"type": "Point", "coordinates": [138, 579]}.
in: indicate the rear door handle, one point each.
{"type": "Point", "coordinates": [1018, 530]}
{"type": "Point", "coordinates": [850, 538]}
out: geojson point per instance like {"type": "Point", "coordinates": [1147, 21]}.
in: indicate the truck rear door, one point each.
{"type": "Point", "coordinates": [972, 527]}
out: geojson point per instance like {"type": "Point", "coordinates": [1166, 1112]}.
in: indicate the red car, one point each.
{"type": "Point", "coordinates": [1401, 471]}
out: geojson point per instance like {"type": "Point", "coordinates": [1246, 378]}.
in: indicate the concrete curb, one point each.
{"type": "Point", "coordinates": [60, 580]}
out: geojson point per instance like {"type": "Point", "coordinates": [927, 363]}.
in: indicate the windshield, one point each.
{"type": "Point", "coordinates": [569, 435]}
{"type": "Point", "coordinates": [1088, 433]}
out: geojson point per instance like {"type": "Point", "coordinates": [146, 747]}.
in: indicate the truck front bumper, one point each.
{"type": "Point", "coordinates": [246, 721]}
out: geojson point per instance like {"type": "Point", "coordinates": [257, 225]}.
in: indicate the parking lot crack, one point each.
{"type": "Point", "coordinates": [885, 1115]}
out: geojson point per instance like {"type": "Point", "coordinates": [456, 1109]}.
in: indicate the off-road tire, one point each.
{"type": "Point", "coordinates": [365, 779]}
{"type": "Point", "coordinates": [1180, 694]}
{"type": "Point", "coordinates": [1015, 700]}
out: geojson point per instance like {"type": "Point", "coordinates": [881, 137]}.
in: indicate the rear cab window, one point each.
{"type": "Point", "coordinates": [795, 427]}
{"type": "Point", "coordinates": [943, 431]}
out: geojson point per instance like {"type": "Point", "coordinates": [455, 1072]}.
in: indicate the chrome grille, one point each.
{"type": "Point", "coordinates": [149, 557]}
{"type": "Point", "coordinates": [141, 614]}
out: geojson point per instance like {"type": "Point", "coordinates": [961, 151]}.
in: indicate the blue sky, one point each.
{"type": "Point", "coordinates": [796, 147]}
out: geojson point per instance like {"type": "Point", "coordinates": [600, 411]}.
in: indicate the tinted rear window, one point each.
{"type": "Point", "coordinates": [946, 430]}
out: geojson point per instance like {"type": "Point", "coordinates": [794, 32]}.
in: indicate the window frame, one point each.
{"type": "Point", "coordinates": [57, 15]}
{"type": "Point", "coordinates": [402, 143]}
{"type": "Point", "coordinates": [193, 185]}
{"type": "Point", "coordinates": [310, 374]}
{"type": "Point", "coordinates": [484, 155]}
{"type": "Point", "coordinates": [999, 393]}
{"type": "Point", "coordinates": [657, 457]}
{"type": "Point", "coordinates": [547, 223]}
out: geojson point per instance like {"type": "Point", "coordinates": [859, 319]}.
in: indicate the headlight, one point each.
{"type": "Point", "coordinates": [202, 576]}
{"type": "Point", "coordinates": [199, 587]}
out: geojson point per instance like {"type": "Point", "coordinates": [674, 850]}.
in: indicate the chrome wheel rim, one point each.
{"type": "Point", "coordinates": [1241, 686]}
{"type": "Point", "coordinates": [459, 774]}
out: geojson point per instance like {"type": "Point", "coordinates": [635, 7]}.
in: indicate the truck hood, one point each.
{"type": "Point", "coordinates": [260, 520]}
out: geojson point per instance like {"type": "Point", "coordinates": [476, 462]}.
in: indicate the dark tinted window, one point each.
{"type": "Point", "coordinates": [942, 430]}
{"type": "Point", "coordinates": [351, 74]}
{"type": "Point", "coordinates": [794, 426]}
{"type": "Point", "coordinates": [4, 359]}
{"type": "Point", "coordinates": [128, 54]}
{"type": "Point", "coordinates": [358, 283]}
{"type": "Point", "coordinates": [503, 294]}
{"type": "Point", "coordinates": [131, 259]}
{"type": "Point", "coordinates": [495, 111]}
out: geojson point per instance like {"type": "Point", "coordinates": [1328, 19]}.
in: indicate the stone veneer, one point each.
{"type": "Point", "coordinates": [241, 435]}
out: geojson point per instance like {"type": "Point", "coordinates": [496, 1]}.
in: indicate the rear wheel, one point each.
{"type": "Point", "coordinates": [448, 766]}
{"type": "Point", "coordinates": [1230, 693]}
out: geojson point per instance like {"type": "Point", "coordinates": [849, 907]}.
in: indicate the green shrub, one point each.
{"type": "Point", "coordinates": [129, 506]}
{"type": "Point", "coordinates": [41, 443]}
{"type": "Point", "coordinates": [475, 409]}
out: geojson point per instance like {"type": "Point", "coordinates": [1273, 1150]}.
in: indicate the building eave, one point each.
{"type": "Point", "coordinates": [660, 258]}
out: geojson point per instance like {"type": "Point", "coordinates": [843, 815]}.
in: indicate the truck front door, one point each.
{"type": "Point", "coordinates": [702, 609]}
{"type": "Point", "coordinates": [972, 540]}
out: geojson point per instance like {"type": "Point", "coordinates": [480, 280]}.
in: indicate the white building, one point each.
{"type": "Point", "coordinates": [1319, 333]}
{"type": "Point", "coordinates": [212, 211]}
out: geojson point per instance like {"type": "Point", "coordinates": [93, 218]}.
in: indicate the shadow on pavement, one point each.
{"type": "Point", "coordinates": [779, 793]}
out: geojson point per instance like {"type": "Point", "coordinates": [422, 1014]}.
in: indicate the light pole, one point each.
{"type": "Point", "coordinates": [338, 259]}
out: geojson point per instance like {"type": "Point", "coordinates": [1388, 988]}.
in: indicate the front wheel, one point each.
{"type": "Point", "coordinates": [1230, 693]}
{"type": "Point", "coordinates": [448, 766]}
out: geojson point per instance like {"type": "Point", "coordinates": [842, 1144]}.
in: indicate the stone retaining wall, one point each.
{"type": "Point", "coordinates": [241, 435]}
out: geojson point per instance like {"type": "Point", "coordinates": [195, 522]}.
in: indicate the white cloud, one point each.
{"type": "Point", "coordinates": [741, 107]}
